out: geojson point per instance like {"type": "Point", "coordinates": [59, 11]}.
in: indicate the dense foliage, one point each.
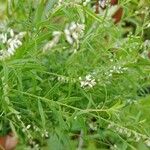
{"type": "Point", "coordinates": [71, 78]}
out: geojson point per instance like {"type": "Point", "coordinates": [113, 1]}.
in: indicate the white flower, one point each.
{"type": "Point", "coordinates": [75, 36]}
{"type": "Point", "coordinates": [36, 128]}
{"type": "Point", "coordinates": [114, 147]}
{"type": "Point", "coordinates": [10, 44]}
{"type": "Point", "coordinates": [11, 32]}
{"type": "Point", "coordinates": [116, 69]}
{"type": "Point", "coordinates": [14, 43]}
{"type": "Point", "coordinates": [28, 126]}
{"type": "Point", "coordinates": [20, 35]}
{"type": "Point", "coordinates": [87, 82]}
{"type": "Point", "coordinates": [73, 32]}
{"type": "Point", "coordinates": [63, 79]}
{"type": "Point", "coordinates": [45, 134]}
{"type": "Point", "coordinates": [102, 3]}
{"type": "Point", "coordinates": [3, 37]}
{"type": "Point", "coordinates": [53, 42]}
{"type": "Point", "coordinates": [31, 142]}
{"type": "Point", "coordinates": [68, 36]}
{"type": "Point", "coordinates": [10, 51]}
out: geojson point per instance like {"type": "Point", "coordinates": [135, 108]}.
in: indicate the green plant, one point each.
{"type": "Point", "coordinates": [91, 93]}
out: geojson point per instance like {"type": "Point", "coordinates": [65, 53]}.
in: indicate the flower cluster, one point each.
{"type": "Point", "coordinates": [73, 32]}
{"type": "Point", "coordinates": [66, 79]}
{"type": "Point", "coordinates": [34, 144]}
{"type": "Point", "coordinates": [10, 42]}
{"type": "Point", "coordinates": [116, 69]}
{"type": "Point", "coordinates": [112, 8]}
{"type": "Point", "coordinates": [87, 82]}
{"type": "Point", "coordinates": [114, 147]}
{"type": "Point", "coordinates": [26, 128]}
{"type": "Point", "coordinates": [128, 133]}
{"type": "Point", "coordinates": [45, 134]}
{"type": "Point", "coordinates": [53, 42]}
{"type": "Point", "coordinates": [101, 5]}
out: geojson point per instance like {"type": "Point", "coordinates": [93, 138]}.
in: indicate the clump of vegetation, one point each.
{"type": "Point", "coordinates": [71, 78]}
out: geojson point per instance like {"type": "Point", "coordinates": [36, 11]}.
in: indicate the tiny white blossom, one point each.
{"type": "Point", "coordinates": [63, 79]}
{"type": "Point", "coordinates": [114, 147]}
{"type": "Point", "coordinates": [102, 3]}
{"type": "Point", "coordinates": [20, 35]}
{"type": "Point", "coordinates": [87, 82]}
{"type": "Point", "coordinates": [28, 126]}
{"type": "Point", "coordinates": [73, 26]}
{"type": "Point", "coordinates": [31, 142]}
{"type": "Point", "coordinates": [11, 43]}
{"type": "Point", "coordinates": [12, 33]}
{"type": "Point", "coordinates": [73, 32]}
{"type": "Point", "coordinates": [10, 50]}
{"type": "Point", "coordinates": [75, 35]}
{"type": "Point", "coordinates": [3, 37]}
{"type": "Point", "coordinates": [53, 42]}
{"type": "Point", "coordinates": [45, 134]}
{"type": "Point", "coordinates": [88, 77]}
{"type": "Point", "coordinates": [68, 36]}
{"type": "Point", "coordinates": [116, 69]}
